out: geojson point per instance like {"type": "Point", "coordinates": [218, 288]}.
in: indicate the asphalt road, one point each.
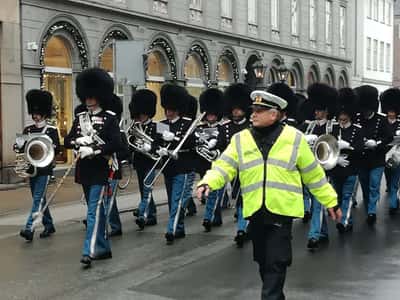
{"type": "Point", "coordinates": [364, 264]}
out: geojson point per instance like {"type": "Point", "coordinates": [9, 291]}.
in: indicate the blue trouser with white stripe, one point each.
{"type": "Point", "coordinates": [178, 188]}
{"type": "Point", "coordinates": [113, 213]}
{"type": "Point", "coordinates": [370, 180]}
{"type": "Point", "coordinates": [147, 207]}
{"type": "Point", "coordinates": [96, 241]}
{"type": "Point", "coordinates": [212, 212]}
{"type": "Point", "coordinates": [306, 199]}
{"type": "Point", "coordinates": [38, 185]}
{"type": "Point", "coordinates": [393, 185]}
{"type": "Point", "coordinates": [319, 226]}
{"type": "Point", "coordinates": [344, 187]}
{"type": "Point", "coordinates": [236, 194]}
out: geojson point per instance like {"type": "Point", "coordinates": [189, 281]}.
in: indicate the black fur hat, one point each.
{"type": "Point", "coordinates": [237, 95]}
{"type": "Point", "coordinates": [191, 107]}
{"type": "Point", "coordinates": [96, 83]}
{"type": "Point", "coordinates": [173, 97]}
{"type": "Point", "coordinates": [211, 101]}
{"type": "Point", "coordinates": [39, 102]}
{"type": "Point", "coordinates": [282, 90]}
{"type": "Point", "coordinates": [323, 97]}
{"type": "Point", "coordinates": [368, 98]}
{"type": "Point", "coordinates": [143, 102]}
{"type": "Point", "coordinates": [347, 102]}
{"type": "Point", "coordinates": [390, 100]}
{"type": "Point", "coordinates": [116, 106]}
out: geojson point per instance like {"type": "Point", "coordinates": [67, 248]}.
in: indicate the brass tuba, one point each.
{"type": "Point", "coordinates": [326, 151]}
{"type": "Point", "coordinates": [38, 153]}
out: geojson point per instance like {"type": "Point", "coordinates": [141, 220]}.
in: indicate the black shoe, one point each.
{"type": "Point", "coordinates": [135, 212]}
{"type": "Point", "coordinates": [207, 225]}
{"type": "Point", "coordinates": [140, 223]}
{"type": "Point", "coordinates": [240, 238]}
{"type": "Point", "coordinates": [84, 223]}
{"type": "Point", "coordinates": [191, 213]}
{"type": "Point", "coordinates": [341, 228]}
{"type": "Point", "coordinates": [307, 217]}
{"type": "Point", "coordinates": [235, 216]}
{"type": "Point", "coordinates": [180, 235]}
{"type": "Point", "coordinates": [313, 244]}
{"type": "Point", "coordinates": [47, 232]}
{"type": "Point", "coordinates": [115, 233]}
{"type": "Point", "coordinates": [354, 204]}
{"type": "Point", "coordinates": [216, 223]}
{"type": "Point", "coordinates": [150, 222]}
{"type": "Point", "coordinates": [371, 219]}
{"type": "Point", "coordinates": [26, 234]}
{"type": "Point", "coordinates": [86, 261]}
{"type": "Point", "coordinates": [170, 238]}
{"type": "Point", "coordinates": [393, 211]}
{"type": "Point", "coordinates": [105, 255]}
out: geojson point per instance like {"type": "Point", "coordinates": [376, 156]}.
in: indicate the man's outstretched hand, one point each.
{"type": "Point", "coordinates": [335, 213]}
{"type": "Point", "coordinates": [202, 190]}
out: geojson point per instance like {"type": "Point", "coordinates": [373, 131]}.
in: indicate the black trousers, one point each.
{"type": "Point", "coordinates": [272, 250]}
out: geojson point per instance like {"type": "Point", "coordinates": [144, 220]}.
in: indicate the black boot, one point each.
{"type": "Point", "coordinates": [151, 222]}
{"type": "Point", "coordinates": [371, 219]}
{"type": "Point", "coordinates": [170, 238]}
{"type": "Point", "coordinates": [313, 244]}
{"type": "Point", "coordinates": [207, 225]}
{"type": "Point", "coordinates": [105, 255]}
{"type": "Point", "coordinates": [115, 233]}
{"type": "Point", "coordinates": [47, 232]}
{"type": "Point", "coordinates": [86, 261]}
{"type": "Point", "coordinates": [240, 238]}
{"type": "Point", "coordinates": [26, 234]}
{"type": "Point", "coordinates": [140, 223]}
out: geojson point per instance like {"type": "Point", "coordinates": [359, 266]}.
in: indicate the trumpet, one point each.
{"type": "Point", "coordinates": [206, 153]}
{"type": "Point", "coordinates": [150, 179]}
{"type": "Point", "coordinates": [140, 141]}
{"type": "Point", "coordinates": [38, 152]}
{"type": "Point", "coordinates": [204, 137]}
{"type": "Point", "coordinates": [326, 151]}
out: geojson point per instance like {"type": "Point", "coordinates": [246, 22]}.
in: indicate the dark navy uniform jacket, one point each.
{"type": "Point", "coordinates": [141, 161]}
{"type": "Point", "coordinates": [228, 129]}
{"type": "Point", "coordinates": [95, 170]}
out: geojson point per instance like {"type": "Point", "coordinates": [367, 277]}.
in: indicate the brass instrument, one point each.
{"type": "Point", "coordinates": [149, 180]}
{"type": "Point", "coordinates": [140, 141]}
{"type": "Point", "coordinates": [38, 152]}
{"type": "Point", "coordinates": [203, 136]}
{"type": "Point", "coordinates": [326, 151]}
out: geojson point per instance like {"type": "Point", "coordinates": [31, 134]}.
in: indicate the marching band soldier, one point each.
{"type": "Point", "coordinates": [351, 144]}
{"type": "Point", "coordinates": [323, 99]}
{"type": "Point", "coordinates": [178, 170]}
{"type": "Point", "coordinates": [40, 108]}
{"type": "Point", "coordinates": [272, 161]}
{"type": "Point", "coordinates": [288, 115]}
{"type": "Point", "coordinates": [114, 220]}
{"type": "Point", "coordinates": [390, 104]}
{"type": "Point", "coordinates": [142, 109]}
{"type": "Point", "coordinates": [377, 136]}
{"type": "Point", "coordinates": [211, 102]}
{"type": "Point", "coordinates": [237, 104]}
{"type": "Point", "coordinates": [95, 135]}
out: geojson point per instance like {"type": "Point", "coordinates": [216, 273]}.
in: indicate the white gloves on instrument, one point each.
{"type": "Point", "coordinates": [85, 151]}
{"type": "Point", "coordinates": [343, 161]}
{"type": "Point", "coordinates": [370, 144]}
{"type": "Point", "coordinates": [162, 152]}
{"type": "Point", "coordinates": [84, 140]}
{"type": "Point", "coordinates": [311, 138]}
{"type": "Point", "coordinates": [168, 136]}
{"type": "Point", "coordinates": [146, 147]}
{"type": "Point", "coordinates": [211, 144]}
{"type": "Point", "coordinates": [343, 145]}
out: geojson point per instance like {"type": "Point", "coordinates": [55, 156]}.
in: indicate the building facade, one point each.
{"type": "Point", "coordinates": [373, 60]}
{"type": "Point", "coordinates": [198, 43]}
{"type": "Point", "coordinates": [396, 45]}
{"type": "Point", "coordinates": [10, 82]}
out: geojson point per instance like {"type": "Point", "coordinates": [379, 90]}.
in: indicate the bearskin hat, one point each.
{"type": "Point", "coordinates": [323, 97]}
{"type": "Point", "coordinates": [282, 90]}
{"type": "Point", "coordinates": [143, 102]}
{"type": "Point", "coordinates": [173, 97]}
{"type": "Point", "coordinates": [237, 95]}
{"type": "Point", "coordinates": [368, 98]}
{"type": "Point", "coordinates": [191, 107]}
{"type": "Point", "coordinates": [211, 101]}
{"type": "Point", "coordinates": [96, 83]}
{"type": "Point", "coordinates": [390, 100]}
{"type": "Point", "coordinates": [116, 106]}
{"type": "Point", "coordinates": [39, 102]}
{"type": "Point", "coordinates": [347, 102]}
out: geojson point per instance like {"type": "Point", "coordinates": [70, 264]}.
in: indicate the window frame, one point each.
{"type": "Point", "coordinates": [294, 17]}
{"type": "Point", "coordinates": [328, 21]}
{"type": "Point", "coordinates": [275, 15]}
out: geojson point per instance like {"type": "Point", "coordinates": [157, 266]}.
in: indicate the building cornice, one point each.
{"type": "Point", "coordinates": [194, 28]}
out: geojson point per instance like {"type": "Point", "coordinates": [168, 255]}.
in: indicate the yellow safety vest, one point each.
{"type": "Point", "coordinates": [276, 182]}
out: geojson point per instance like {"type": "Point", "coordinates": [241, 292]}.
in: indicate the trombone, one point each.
{"type": "Point", "coordinates": [149, 180]}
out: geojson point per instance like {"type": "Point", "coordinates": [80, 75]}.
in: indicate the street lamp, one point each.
{"type": "Point", "coordinates": [259, 70]}
{"type": "Point", "coordinates": [283, 71]}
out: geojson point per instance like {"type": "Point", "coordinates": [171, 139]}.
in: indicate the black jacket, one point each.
{"type": "Point", "coordinates": [95, 170]}
{"type": "Point", "coordinates": [141, 161]}
{"type": "Point", "coordinates": [228, 129]}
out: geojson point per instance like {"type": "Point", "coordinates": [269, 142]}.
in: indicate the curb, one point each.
{"type": "Point", "coordinates": [12, 186]}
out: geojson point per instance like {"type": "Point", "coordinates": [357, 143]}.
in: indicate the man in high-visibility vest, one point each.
{"type": "Point", "coordinates": [272, 161]}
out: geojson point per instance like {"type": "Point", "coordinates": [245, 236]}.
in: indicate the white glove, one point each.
{"type": "Point", "coordinates": [168, 136]}
{"type": "Point", "coordinates": [162, 152]}
{"type": "Point", "coordinates": [370, 144]}
{"type": "Point", "coordinates": [84, 140]}
{"type": "Point", "coordinates": [85, 151]}
{"type": "Point", "coordinates": [146, 147]}
{"type": "Point", "coordinates": [311, 138]}
{"type": "Point", "coordinates": [343, 161]}
{"type": "Point", "coordinates": [343, 145]}
{"type": "Point", "coordinates": [211, 144]}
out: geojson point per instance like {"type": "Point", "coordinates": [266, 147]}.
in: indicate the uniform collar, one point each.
{"type": "Point", "coordinates": [392, 121]}
{"type": "Point", "coordinates": [242, 121]}
{"type": "Point", "coordinates": [40, 124]}
{"type": "Point", "coordinates": [147, 122]}
{"type": "Point", "coordinates": [321, 122]}
{"type": "Point", "coordinates": [96, 111]}
{"type": "Point", "coordinates": [173, 121]}
{"type": "Point", "coordinates": [347, 125]}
